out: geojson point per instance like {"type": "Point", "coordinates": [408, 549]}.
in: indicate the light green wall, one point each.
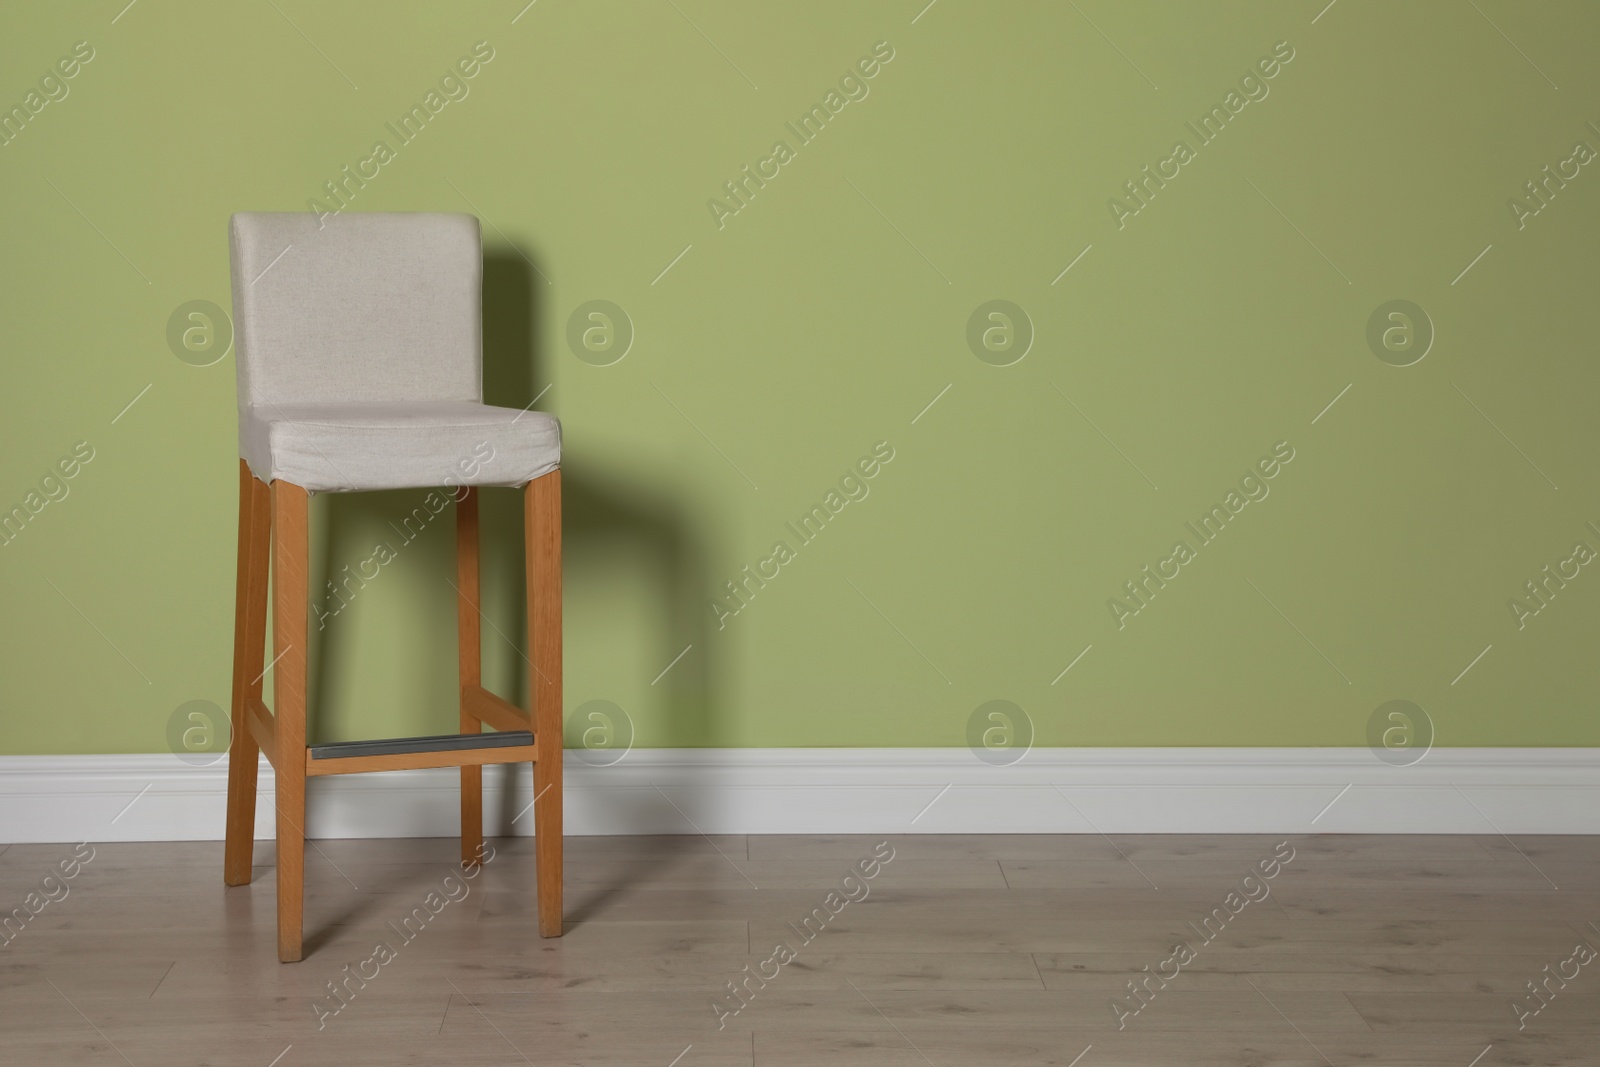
{"type": "Point", "coordinates": [822, 319]}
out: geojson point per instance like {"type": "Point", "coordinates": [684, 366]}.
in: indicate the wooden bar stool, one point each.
{"type": "Point", "coordinates": [359, 349]}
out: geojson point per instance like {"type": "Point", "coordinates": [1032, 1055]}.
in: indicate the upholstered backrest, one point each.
{"type": "Point", "coordinates": [357, 307]}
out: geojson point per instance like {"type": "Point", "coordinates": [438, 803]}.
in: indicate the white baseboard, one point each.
{"type": "Point", "coordinates": [847, 791]}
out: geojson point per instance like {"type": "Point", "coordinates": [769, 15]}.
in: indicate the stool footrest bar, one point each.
{"type": "Point", "coordinates": [395, 746]}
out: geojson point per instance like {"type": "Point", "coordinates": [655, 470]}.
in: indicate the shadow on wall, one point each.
{"type": "Point", "coordinates": [611, 523]}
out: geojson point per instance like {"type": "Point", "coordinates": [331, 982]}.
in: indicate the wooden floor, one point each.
{"type": "Point", "coordinates": [965, 951]}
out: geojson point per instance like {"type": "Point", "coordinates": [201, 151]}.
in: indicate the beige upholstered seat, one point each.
{"type": "Point", "coordinates": [397, 444]}
{"type": "Point", "coordinates": [360, 351]}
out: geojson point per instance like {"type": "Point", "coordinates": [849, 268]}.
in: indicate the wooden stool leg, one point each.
{"type": "Point", "coordinates": [468, 637]}
{"type": "Point", "coordinates": [249, 648]}
{"type": "Point", "coordinates": [542, 544]}
{"type": "Point", "coordinates": [290, 542]}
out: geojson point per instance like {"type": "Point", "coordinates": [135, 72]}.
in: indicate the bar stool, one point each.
{"type": "Point", "coordinates": [359, 349]}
